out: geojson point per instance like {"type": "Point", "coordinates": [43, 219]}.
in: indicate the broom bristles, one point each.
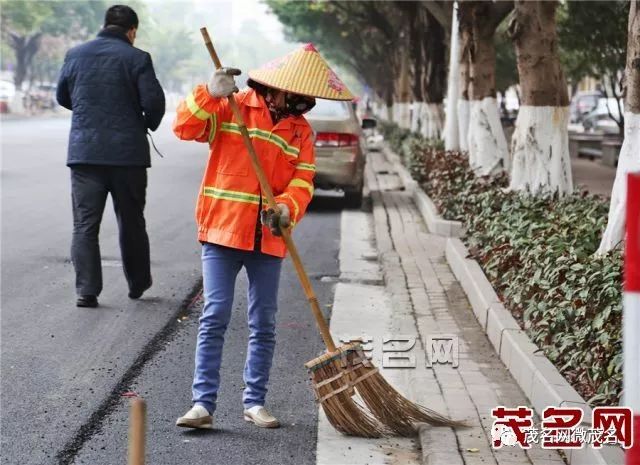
{"type": "Point", "coordinates": [335, 394]}
{"type": "Point", "coordinates": [394, 410]}
{"type": "Point", "coordinates": [385, 411]}
{"type": "Point", "coordinates": [386, 403]}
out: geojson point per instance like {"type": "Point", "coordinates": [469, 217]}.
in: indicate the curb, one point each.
{"type": "Point", "coordinates": [435, 223]}
{"type": "Point", "coordinates": [410, 185]}
{"type": "Point", "coordinates": [538, 378]}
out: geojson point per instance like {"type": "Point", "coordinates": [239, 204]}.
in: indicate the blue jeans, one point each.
{"type": "Point", "coordinates": [220, 267]}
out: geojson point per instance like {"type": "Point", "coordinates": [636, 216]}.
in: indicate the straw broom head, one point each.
{"type": "Point", "coordinates": [335, 393]}
{"type": "Point", "coordinates": [345, 375]}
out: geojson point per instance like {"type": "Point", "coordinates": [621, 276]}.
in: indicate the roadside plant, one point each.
{"type": "Point", "coordinates": [538, 253]}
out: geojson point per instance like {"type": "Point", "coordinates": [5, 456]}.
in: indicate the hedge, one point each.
{"type": "Point", "coordinates": [538, 253]}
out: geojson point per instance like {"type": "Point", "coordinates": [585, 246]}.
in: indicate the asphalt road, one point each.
{"type": "Point", "coordinates": [64, 369]}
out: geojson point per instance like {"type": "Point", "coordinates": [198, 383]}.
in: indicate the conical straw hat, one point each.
{"type": "Point", "coordinates": [302, 72]}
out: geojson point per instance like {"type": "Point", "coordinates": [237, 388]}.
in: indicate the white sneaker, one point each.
{"type": "Point", "coordinates": [197, 417]}
{"type": "Point", "coordinates": [259, 416]}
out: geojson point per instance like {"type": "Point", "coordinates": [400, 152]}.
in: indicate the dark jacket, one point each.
{"type": "Point", "coordinates": [115, 97]}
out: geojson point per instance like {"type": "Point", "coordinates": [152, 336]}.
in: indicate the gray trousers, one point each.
{"type": "Point", "coordinates": [90, 185]}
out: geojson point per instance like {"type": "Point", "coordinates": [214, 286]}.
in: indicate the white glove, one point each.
{"type": "Point", "coordinates": [222, 83]}
{"type": "Point", "coordinates": [276, 220]}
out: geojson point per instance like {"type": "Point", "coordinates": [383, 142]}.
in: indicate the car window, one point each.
{"type": "Point", "coordinates": [330, 108]}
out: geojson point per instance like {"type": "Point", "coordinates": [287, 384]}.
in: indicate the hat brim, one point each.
{"type": "Point", "coordinates": [259, 81]}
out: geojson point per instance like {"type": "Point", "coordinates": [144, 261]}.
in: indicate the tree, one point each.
{"type": "Point", "coordinates": [629, 159]}
{"type": "Point", "coordinates": [24, 23]}
{"type": "Point", "coordinates": [451, 130]}
{"type": "Point", "coordinates": [426, 71]}
{"type": "Point", "coordinates": [48, 61]}
{"type": "Point", "coordinates": [395, 47]}
{"type": "Point", "coordinates": [603, 26]}
{"type": "Point", "coordinates": [540, 142]}
{"type": "Point", "coordinates": [486, 141]}
{"type": "Point", "coordinates": [355, 34]}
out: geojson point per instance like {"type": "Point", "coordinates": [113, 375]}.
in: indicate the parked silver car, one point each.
{"type": "Point", "coordinates": [340, 148]}
{"type": "Point", "coordinates": [604, 117]}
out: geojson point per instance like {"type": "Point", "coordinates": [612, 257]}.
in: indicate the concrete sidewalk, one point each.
{"type": "Point", "coordinates": [396, 284]}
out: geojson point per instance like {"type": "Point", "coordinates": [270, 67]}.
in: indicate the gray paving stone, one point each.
{"type": "Point", "coordinates": [417, 273]}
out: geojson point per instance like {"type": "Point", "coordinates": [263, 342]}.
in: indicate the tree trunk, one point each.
{"type": "Point", "coordinates": [540, 142]}
{"type": "Point", "coordinates": [629, 159]}
{"type": "Point", "coordinates": [418, 35]}
{"type": "Point", "coordinates": [451, 136]}
{"type": "Point", "coordinates": [402, 105]}
{"type": "Point", "coordinates": [464, 21]}
{"type": "Point", "coordinates": [388, 99]}
{"type": "Point", "coordinates": [25, 48]}
{"type": "Point", "coordinates": [487, 144]}
{"type": "Point", "coordinates": [435, 79]}
{"type": "Point", "coordinates": [433, 115]}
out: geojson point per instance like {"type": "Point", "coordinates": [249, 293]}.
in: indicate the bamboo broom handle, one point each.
{"type": "Point", "coordinates": [271, 201]}
{"type": "Point", "coordinates": [137, 413]}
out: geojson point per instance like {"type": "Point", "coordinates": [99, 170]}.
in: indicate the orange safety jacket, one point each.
{"type": "Point", "coordinates": [229, 198]}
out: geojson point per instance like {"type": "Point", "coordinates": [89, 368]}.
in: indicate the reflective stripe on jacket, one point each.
{"type": "Point", "coordinates": [229, 197]}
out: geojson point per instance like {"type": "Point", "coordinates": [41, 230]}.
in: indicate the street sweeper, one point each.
{"type": "Point", "coordinates": [236, 225]}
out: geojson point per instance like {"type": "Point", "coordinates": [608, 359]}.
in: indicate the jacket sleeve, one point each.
{"type": "Point", "coordinates": [151, 94]}
{"type": "Point", "coordinates": [199, 116]}
{"type": "Point", "coordinates": [63, 96]}
{"type": "Point", "coordinates": [299, 192]}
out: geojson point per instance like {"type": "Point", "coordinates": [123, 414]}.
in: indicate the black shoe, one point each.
{"type": "Point", "coordinates": [137, 293]}
{"type": "Point", "coordinates": [90, 301]}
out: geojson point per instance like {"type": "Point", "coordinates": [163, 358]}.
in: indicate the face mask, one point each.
{"type": "Point", "coordinates": [294, 105]}
{"type": "Point", "coordinates": [278, 113]}
{"type": "Point", "coordinates": [297, 105]}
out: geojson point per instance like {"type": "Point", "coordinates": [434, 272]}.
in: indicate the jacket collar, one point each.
{"type": "Point", "coordinates": [253, 99]}
{"type": "Point", "coordinates": [113, 34]}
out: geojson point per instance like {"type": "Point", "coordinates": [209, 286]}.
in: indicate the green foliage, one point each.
{"type": "Point", "coordinates": [25, 24]}
{"type": "Point", "coordinates": [593, 37]}
{"type": "Point", "coordinates": [73, 18]}
{"type": "Point", "coordinates": [362, 36]}
{"type": "Point", "coordinates": [537, 252]}
{"type": "Point", "coordinates": [410, 146]}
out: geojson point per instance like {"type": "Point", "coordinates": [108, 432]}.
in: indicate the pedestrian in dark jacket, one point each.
{"type": "Point", "coordinates": [115, 97]}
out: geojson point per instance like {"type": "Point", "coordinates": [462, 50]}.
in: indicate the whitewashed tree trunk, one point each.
{"type": "Point", "coordinates": [629, 158]}
{"type": "Point", "coordinates": [487, 143]}
{"type": "Point", "coordinates": [463, 124]}
{"type": "Point", "coordinates": [402, 114]}
{"type": "Point", "coordinates": [540, 151]}
{"type": "Point", "coordinates": [378, 110]}
{"type": "Point", "coordinates": [390, 113]}
{"type": "Point", "coordinates": [451, 134]}
{"type": "Point", "coordinates": [628, 161]}
{"type": "Point", "coordinates": [540, 143]}
{"type": "Point", "coordinates": [416, 115]}
{"type": "Point", "coordinates": [433, 116]}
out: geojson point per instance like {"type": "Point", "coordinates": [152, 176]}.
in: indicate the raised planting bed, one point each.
{"type": "Point", "coordinates": [537, 252]}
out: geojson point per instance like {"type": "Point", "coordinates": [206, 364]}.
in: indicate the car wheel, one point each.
{"type": "Point", "coordinates": [353, 198]}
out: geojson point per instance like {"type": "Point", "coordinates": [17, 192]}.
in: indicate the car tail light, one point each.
{"type": "Point", "coordinates": [336, 139]}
